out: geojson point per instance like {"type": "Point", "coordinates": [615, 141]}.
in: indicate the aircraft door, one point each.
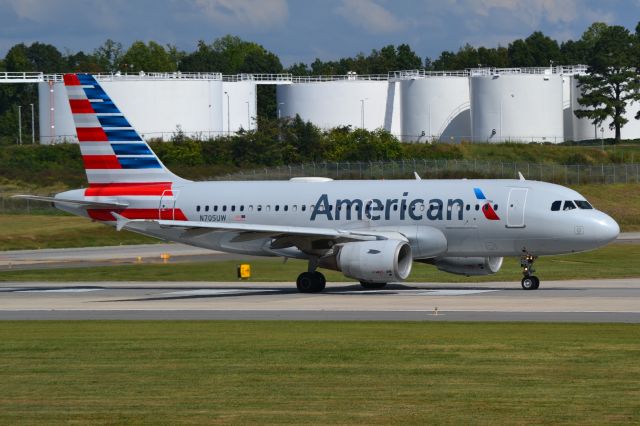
{"type": "Point", "coordinates": [167, 207]}
{"type": "Point", "coordinates": [516, 207]}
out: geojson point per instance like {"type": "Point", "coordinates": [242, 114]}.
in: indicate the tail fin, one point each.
{"type": "Point", "coordinates": [112, 151]}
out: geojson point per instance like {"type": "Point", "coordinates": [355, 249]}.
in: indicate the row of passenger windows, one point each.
{"type": "Point", "coordinates": [303, 208]}
{"type": "Point", "coordinates": [570, 205]}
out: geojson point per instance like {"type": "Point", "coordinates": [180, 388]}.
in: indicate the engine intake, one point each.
{"type": "Point", "coordinates": [376, 261]}
{"type": "Point", "coordinates": [469, 265]}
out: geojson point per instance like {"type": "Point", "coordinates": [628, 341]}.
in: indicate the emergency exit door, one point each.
{"type": "Point", "coordinates": [516, 207]}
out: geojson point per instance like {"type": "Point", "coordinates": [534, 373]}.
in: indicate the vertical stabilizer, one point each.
{"type": "Point", "coordinates": [112, 151]}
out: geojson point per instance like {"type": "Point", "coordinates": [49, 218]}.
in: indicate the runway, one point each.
{"type": "Point", "coordinates": [128, 254]}
{"type": "Point", "coordinates": [580, 301]}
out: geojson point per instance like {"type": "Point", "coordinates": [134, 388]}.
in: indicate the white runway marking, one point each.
{"type": "Point", "coordinates": [213, 292]}
{"type": "Point", "coordinates": [451, 292]}
{"type": "Point", "coordinates": [59, 290]}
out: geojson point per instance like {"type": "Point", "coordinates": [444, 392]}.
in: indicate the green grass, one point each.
{"type": "Point", "coordinates": [614, 261]}
{"type": "Point", "coordinates": [318, 373]}
{"type": "Point", "coordinates": [21, 232]}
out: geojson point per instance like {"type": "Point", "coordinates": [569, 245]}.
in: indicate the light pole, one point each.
{"type": "Point", "coordinates": [33, 133]}
{"type": "Point", "coordinates": [248, 116]}
{"type": "Point", "coordinates": [19, 125]}
{"type": "Point", "coordinates": [228, 115]}
{"type": "Point", "coordinates": [362, 112]}
{"type": "Point", "coordinates": [279, 103]}
{"type": "Point", "coordinates": [602, 137]}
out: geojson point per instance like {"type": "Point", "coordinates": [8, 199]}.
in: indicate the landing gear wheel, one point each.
{"type": "Point", "coordinates": [530, 283]}
{"type": "Point", "coordinates": [311, 282]}
{"type": "Point", "coordinates": [372, 286]}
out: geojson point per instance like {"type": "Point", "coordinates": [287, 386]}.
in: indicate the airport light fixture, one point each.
{"type": "Point", "coordinates": [33, 133]}
{"type": "Point", "coordinates": [228, 114]}
{"type": "Point", "coordinates": [19, 125]}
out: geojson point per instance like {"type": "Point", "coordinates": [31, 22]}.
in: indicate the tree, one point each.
{"type": "Point", "coordinates": [147, 57]}
{"type": "Point", "coordinates": [108, 56]}
{"type": "Point", "coordinates": [611, 81]}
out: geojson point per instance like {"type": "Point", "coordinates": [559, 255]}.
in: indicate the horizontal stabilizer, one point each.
{"type": "Point", "coordinates": [80, 203]}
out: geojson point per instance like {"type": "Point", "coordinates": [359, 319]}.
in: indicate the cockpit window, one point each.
{"type": "Point", "coordinates": [555, 206]}
{"type": "Point", "coordinates": [584, 205]}
{"type": "Point", "coordinates": [568, 205]}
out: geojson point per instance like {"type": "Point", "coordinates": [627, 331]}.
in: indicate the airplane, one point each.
{"type": "Point", "coordinates": [370, 230]}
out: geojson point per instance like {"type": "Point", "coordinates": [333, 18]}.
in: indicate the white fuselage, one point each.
{"type": "Point", "coordinates": [523, 222]}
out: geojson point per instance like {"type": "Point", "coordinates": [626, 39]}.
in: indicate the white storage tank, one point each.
{"type": "Point", "coordinates": [584, 129]}
{"type": "Point", "coordinates": [354, 102]}
{"type": "Point", "coordinates": [435, 108]}
{"type": "Point", "coordinates": [156, 107]}
{"type": "Point", "coordinates": [516, 107]}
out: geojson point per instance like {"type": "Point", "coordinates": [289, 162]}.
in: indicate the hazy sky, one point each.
{"type": "Point", "coordinates": [301, 30]}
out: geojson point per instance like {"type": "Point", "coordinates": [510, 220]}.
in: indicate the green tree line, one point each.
{"type": "Point", "coordinates": [612, 53]}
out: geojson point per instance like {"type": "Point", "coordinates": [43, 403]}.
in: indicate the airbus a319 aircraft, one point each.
{"type": "Point", "coordinates": [369, 230]}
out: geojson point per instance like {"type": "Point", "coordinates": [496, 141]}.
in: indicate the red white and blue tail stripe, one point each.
{"type": "Point", "coordinates": [118, 162]}
{"type": "Point", "coordinates": [111, 148]}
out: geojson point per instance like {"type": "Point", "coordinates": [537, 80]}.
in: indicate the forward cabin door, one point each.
{"type": "Point", "coordinates": [167, 208]}
{"type": "Point", "coordinates": [516, 207]}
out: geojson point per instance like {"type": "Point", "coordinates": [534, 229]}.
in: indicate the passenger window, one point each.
{"type": "Point", "coordinates": [555, 206]}
{"type": "Point", "coordinates": [277, 207]}
{"type": "Point", "coordinates": [224, 208]}
{"type": "Point", "coordinates": [197, 208]}
{"type": "Point", "coordinates": [215, 208]}
{"type": "Point", "coordinates": [294, 207]}
{"type": "Point", "coordinates": [268, 207]}
{"type": "Point", "coordinates": [250, 208]}
{"type": "Point", "coordinates": [304, 207]}
{"type": "Point", "coordinates": [495, 207]}
{"type": "Point", "coordinates": [286, 207]}
{"type": "Point", "coordinates": [568, 205]}
{"type": "Point", "coordinates": [233, 208]}
{"type": "Point", "coordinates": [477, 207]}
{"type": "Point", "coordinates": [584, 205]}
{"type": "Point", "coordinates": [242, 208]}
{"type": "Point", "coordinates": [259, 208]}
{"type": "Point", "coordinates": [206, 208]}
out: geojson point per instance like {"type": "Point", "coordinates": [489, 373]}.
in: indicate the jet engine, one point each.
{"type": "Point", "coordinates": [469, 265]}
{"type": "Point", "coordinates": [375, 261]}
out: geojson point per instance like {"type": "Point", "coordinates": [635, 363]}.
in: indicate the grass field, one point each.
{"type": "Point", "coordinates": [22, 232]}
{"type": "Point", "coordinates": [614, 261]}
{"type": "Point", "coordinates": [318, 373]}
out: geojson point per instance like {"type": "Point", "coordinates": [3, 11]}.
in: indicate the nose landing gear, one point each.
{"type": "Point", "coordinates": [529, 282]}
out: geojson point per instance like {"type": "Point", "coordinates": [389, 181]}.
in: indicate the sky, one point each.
{"type": "Point", "coordinates": [302, 30]}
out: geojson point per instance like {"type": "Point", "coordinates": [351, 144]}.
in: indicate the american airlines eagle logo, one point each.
{"type": "Point", "coordinates": [487, 208]}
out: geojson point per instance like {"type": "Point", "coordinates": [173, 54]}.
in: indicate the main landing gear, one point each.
{"type": "Point", "coordinates": [529, 282]}
{"type": "Point", "coordinates": [311, 281]}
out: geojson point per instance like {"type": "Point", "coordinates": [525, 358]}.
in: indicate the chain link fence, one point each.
{"type": "Point", "coordinates": [561, 174]}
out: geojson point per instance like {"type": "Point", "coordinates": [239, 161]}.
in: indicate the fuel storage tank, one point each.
{"type": "Point", "coordinates": [508, 105]}
{"type": "Point", "coordinates": [584, 129]}
{"type": "Point", "coordinates": [356, 102]}
{"type": "Point", "coordinates": [155, 107]}
{"type": "Point", "coordinates": [435, 108]}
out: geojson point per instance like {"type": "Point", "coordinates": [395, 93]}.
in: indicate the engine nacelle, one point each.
{"type": "Point", "coordinates": [469, 265]}
{"type": "Point", "coordinates": [376, 261]}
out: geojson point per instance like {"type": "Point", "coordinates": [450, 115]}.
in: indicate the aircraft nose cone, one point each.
{"type": "Point", "coordinates": [606, 229]}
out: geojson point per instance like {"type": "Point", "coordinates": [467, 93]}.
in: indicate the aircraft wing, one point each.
{"type": "Point", "coordinates": [277, 229]}
{"type": "Point", "coordinates": [79, 203]}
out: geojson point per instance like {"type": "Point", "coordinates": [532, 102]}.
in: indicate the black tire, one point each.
{"type": "Point", "coordinates": [537, 282]}
{"type": "Point", "coordinates": [529, 283]}
{"type": "Point", "coordinates": [310, 282]}
{"type": "Point", "coordinates": [372, 286]}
